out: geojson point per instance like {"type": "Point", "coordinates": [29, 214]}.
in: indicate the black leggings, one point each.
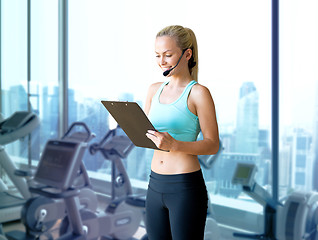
{"type": "Point", "coordinates": [176, 206]}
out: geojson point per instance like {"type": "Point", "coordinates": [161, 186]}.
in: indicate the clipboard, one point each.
{"type": "Point", "coordinates": [133, 120]}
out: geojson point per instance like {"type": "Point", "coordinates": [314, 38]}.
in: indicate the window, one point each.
{"type": "Point", "coordinates": [44, 87]}
{"type": "Point", "coordinates": [36, 60]}
{"type": "Point", "coordinates": [298, 91]}
{"type": "Point", "coordinates": [300, 178]}
{"type": "Point", "coordinates": [14, 93]}
{"type": "Point", "coordinates": [301, 160]}
{"type": "Point", "coordinates": [111, 56]}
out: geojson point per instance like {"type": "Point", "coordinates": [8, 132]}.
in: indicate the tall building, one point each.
{"type": "Point", "coordinates": [246, 140]}
{"type": "Point", "coordinates": [301, 160]}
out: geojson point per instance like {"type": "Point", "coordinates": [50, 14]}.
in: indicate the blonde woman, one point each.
{"type": "Point", "coordinates": [179, 109]}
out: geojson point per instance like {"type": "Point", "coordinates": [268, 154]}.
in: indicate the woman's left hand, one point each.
{"type": "Point", "coordinates": [163, 140]}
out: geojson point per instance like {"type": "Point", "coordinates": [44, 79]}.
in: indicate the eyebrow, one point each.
{"type": "Point", "coordinates": [165, 51]}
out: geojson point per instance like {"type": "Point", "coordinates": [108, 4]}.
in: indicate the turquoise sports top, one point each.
{"type": "Point", "coordinates": [175, 118]}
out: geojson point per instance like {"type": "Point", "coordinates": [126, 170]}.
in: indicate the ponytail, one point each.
{"type": "Point", "coordinates": [194, 61]}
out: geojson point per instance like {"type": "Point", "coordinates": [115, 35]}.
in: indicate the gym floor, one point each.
{"type": "Point", "coordinates": [102, 204]}
{"type": "Point", "coordinates": [17, 225]}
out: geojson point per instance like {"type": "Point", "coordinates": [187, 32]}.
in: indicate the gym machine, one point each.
{"type": "Point", "coordinates": [295, 219]}
{"type": "Point", "coordinates": [59, 167]}
{"type": "Point", "coordinates": [17, 126]}
{"type": "Point", "coordinates": [39, 214]}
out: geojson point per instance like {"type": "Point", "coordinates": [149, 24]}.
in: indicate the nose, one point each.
{"type": "Point", "coordinates": [162, 60]}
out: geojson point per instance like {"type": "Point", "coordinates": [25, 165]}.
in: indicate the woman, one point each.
{"type": "Point", "coordinates": [179, 109]}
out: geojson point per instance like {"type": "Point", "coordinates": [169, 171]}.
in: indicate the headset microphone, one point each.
{"type": "Point", "coordinates": [166, 73]}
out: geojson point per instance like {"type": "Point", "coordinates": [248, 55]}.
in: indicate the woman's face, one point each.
{"type": "Point", "coordinates": [167, 53]}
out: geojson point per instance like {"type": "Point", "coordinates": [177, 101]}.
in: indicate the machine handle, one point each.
{"type": "Point", "coordinates": [95, 147]}
{"type": "Point", "coordinates": [111, 133]}
{"type": "Point", "coordinates": [46, 193]}
{"type": "Point", "coordinates": [75, 124]}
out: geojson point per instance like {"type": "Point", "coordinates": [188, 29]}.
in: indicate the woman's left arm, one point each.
{"type": "Point", "coordinates": [201, 102]}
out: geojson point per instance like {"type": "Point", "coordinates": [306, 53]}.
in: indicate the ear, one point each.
{"type": "Point", "coordinates": [188, 54]}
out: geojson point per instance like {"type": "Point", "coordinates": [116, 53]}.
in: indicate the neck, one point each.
{"type": "Point", "coordinates": [181, 78]}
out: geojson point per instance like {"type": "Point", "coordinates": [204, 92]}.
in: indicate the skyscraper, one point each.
{"type": "Point", "coordinates": [301, 160]}
{"type": "Point", "coordinates": [246, 140]}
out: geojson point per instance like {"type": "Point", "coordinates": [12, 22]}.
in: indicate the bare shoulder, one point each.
{"type": "Point", "coordinates": [200, 92]}
{"type": "Point", "coordinates": [155, 86]}
{"type": "Point", "coordinates": [201, 88]}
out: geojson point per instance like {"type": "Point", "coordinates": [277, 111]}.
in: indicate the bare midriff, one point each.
{"type": "Point", "coordinates": [174, 163]}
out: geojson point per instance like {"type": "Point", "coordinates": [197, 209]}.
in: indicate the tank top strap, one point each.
{"type": "Point", "coordinates": [157, 94]}
{"type": "Point", "coordinates": [187, 90]}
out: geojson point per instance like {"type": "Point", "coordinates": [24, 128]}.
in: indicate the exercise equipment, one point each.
{"type": "Point", "coordinates": [123, 215]}
{"type": "Point", "coordinates": [298, 219]}
{"type": "Point", "coordinates": [114, 147]}
{"type": "Point", "coordinates": [128, 207]}
{"type": "Point", "coordinates": [244, 175]}
{"type": "Point", "coordinates": [17, 126]}
{"type": "Point", "coordinates": [40, 213]}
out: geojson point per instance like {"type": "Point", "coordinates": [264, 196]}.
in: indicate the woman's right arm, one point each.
{"type": "Point", "coordinates": [151, 92]}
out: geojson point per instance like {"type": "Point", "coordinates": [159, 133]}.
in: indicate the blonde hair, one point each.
{"type": "Point", "coordinates": [185, 39]}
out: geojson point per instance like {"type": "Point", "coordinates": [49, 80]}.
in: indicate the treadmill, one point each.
{"type": "Point", "coordinates": [18, 125]}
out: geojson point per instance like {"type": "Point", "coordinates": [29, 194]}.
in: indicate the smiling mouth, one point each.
{"type": "Point", "coordinates": [165, 68]}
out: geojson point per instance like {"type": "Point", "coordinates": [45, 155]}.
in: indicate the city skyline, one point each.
{"type": "Point", "coordinates": [93, 113]}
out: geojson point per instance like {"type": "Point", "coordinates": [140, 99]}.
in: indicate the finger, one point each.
{"type": "Point", "coordinates": [152, 132]}
{"type": "Point", "coordinates": [151, 136]}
